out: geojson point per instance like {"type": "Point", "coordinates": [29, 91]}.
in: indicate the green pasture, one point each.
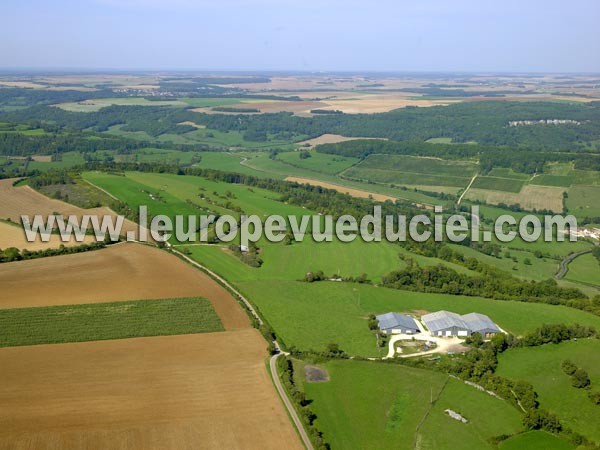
{"type": "Point", "coordinates": [541, 367]}
{"type": "Point", "coordinates": [369, 405]}
{"type": "Point", "coordinates": [312, 315]}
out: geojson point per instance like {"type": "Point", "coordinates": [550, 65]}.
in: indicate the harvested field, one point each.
{"type": "Point", "coordinates": [300, 108]}
{"type": "Point", "coordinates": [22, 84]}
{"type": "Point", "coordinates": [14, 236]}
{"type": "Point", "coordinates": [118, 273]}
{"type": "Point", "coordinates": [329, 139]}
{"type": "Point", "coordinates": [42, 158]}
{"type": "Point", "coordinates": [346, 190]}
{"type": "Point", "coordinates": [15, 201]}
{"type": "Point", "coordinates": [531, 197]}
{"type": "Point", "coordinates": [170, 392]}
{"type": "Point", "coordinates": [193, 124]}
{"type": "Point", "coordinates": [377, 103]}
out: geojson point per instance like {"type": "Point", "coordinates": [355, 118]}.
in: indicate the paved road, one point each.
{"type": "Point", "coordinates": [286, 400]}
{"type": "Point", "coordinates": [564, 264]}
{"type": "Point", "coordinates": [282, 393]}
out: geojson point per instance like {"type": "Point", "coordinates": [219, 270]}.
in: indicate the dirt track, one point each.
{"type": "Point", "coordinates": [173, 392]}
{"type": "Point", "coordinates": [119, 272]}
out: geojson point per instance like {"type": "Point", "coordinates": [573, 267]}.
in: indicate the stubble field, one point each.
{"type": "Point", "coordinates": [118, 273]}
{"type": "Point", "coordinates": [173, 392]}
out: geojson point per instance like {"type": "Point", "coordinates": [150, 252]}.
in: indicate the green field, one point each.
{"type": "Point", "coordinates": [413, 170]}
{"type": "Point", "coordinates": [535, 440]}
{"type": "Point", "coordinates": [372, 405]}
{"type": "Point", "coordinates": [439, 140]}
{"type": "Point", "coordinates": [558, 168]}
{"type": "Point", "coordinates": [502, 172]}
{"type": "Point", "coordinates": [583, 201]}
{"type": "Point", "coordinates": [498, 184]}
{"type": "Point", "coordinates": [588, 177]}
{"type": "Point", "coordinates": [369, 405]}
{"type": "Point", "coordinates": [312, 315]}
{"type": "Point", "coordinates": [585, 269]}
{"type": "Point", "coordinates": [318, 162]}
{"type": "Point", "coordinates": [135, 194]}
{"type": "Point", "coordinates": [538, 269]}
{"type": "Point", "coordinates": [292, 262]}
{"type": "Point", "coordinates": [101, 321]}
{"type": "Point", "coordinates": [225, 139]}
{"type": "Point", "coordinates": [97, 104]}
{"type": "Point", "coordinates": [541, 367]}
{"type": "Point", "coordinates": [420, 165]}
{"type": "Point", "coordinates": [398, 178]}
{"type": "Point", "coordinates": [487, 417]}
{"type": "Point", "coordinates": [261, 165]}
{"type": "Point", "coordinates": [553, 180]}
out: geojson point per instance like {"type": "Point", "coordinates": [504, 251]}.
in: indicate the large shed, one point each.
{"type": "Point", "coordinates": [482, 324]}
{"type": "Point", "coordinates": [394, 323]}
{"type": "Point", "coordinates": [445, 323]}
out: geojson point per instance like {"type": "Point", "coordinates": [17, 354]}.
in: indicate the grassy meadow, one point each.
{"type": "Point", "coordinates": [535, 440]}
{"type": "Point", "coordinates": [541, 367]}
{"type": "Point", "coordinates": [372, 406]}
{"type": "Point", "coordinates": [313, 315]}
{"type": "Point", "coordinates": [487, 417]}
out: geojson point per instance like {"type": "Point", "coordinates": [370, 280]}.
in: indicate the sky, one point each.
{"type": "Point", "coordinates": [302, 35]}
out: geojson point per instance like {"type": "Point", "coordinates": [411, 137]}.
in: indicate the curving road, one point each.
{"type": "Point", "coordinates": [272, 362]}
{"type": "Point", "coordinates": [286, 400]}
{"type": "Point", "coordinates": [564, 264]}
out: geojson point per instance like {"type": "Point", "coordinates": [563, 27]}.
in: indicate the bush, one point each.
{"type": "Point", "coordinates": [594, 396]}
{"type": "Point", "coordinates": [568, 367]}
{"type": "Point", "coordinates": [580, 379]}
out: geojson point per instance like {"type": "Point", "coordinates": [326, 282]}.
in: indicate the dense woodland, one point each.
{"type": "Point", "coordinates": [483, 122]}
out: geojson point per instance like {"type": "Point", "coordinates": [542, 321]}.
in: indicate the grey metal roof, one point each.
{"type": "Point", "coordinates": [396, 321]}
{"type": "Point", "coordinates": [442, 320]}
{"type": "Point", "coordinates": [480, 322]}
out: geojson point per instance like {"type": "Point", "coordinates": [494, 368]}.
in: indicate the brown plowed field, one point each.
{"type": "Point", "coordinates": [204, 391]}
{"type": "Point", "coordinates": [346, 190]}
{"type": "Point", "coordinates": [14, 236]}
{"type": "Point", "coordinates": [15, 201]}
{"type": "Point", "coordinates": [119, 272]}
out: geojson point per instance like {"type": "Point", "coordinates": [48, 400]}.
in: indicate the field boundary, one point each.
{"type": "Point", "coordinates": [431, 405]}
{"type": "Point", "coordinates": [274, 375]}
{"type": "Point", "coordinates": [100, 189]}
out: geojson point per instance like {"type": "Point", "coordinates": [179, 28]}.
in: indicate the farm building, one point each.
{"type": "Point", "coordinates": [482, 324]}
{"type": "Point", "coordinates": [394, 323]}
{"type": "Point", "coordinates": [445, 323]}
